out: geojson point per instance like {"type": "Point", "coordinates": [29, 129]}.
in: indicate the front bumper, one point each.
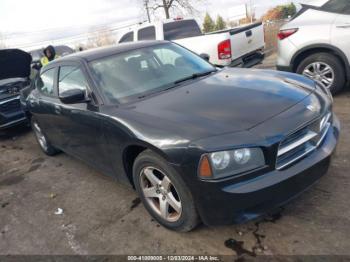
{"type": "Point", "coordinates": [225, 202]}
{"type": "Point", "coordinates": [11, 113]}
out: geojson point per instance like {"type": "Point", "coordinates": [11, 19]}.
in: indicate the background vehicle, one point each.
{"type": "Point", "coordinates": [158, 117]}
{"type": "Point", "coordinates": [37, 54]}
{"type": "Point", "coordinates": [236, 46]}
{"type": "Point", "coordinates": [14, 77]}
{"type": "Point", "coordinates": [316, 43]}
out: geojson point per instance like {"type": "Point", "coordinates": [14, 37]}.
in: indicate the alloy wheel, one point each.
{"type": "Point", "coordinates": [41, 138]}
{"type": "Point", "coordinates": [160, 193]}
{"type": "Point", "coordinates": [321, 73]}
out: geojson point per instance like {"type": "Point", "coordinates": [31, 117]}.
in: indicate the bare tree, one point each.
{"type": "Point", "coordinates": [100, 38]}
{"type": "Point", "coordinates": [167, 5]}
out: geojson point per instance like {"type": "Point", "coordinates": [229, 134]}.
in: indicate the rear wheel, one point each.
{"type": "Point", "coordinates": [324, 68]}
{"type": "Point", "coordinates": [163, 193]}
{"type": "Point", "coordinates": [45, 145]}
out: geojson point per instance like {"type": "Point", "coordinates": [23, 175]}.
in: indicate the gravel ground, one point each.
{"type": "Point", "coordinates": [103, 217]}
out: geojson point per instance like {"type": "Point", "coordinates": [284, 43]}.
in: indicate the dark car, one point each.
{"type": "Point", "coordinates": [197, 143]}
{"type": "Point", "coordinates": [14, 77]}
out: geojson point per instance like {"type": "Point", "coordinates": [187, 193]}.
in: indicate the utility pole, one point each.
{"type": "Point", "coordinates": [251, 11]}
{"type": "Point", "coordinates": [147, 10]}
{"type": "Point", "coordinates": [246, 11]}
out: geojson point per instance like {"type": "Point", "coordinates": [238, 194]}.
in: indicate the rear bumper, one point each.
{"type": "Point", "coordinates": [227, 203]}
{"type": "Point", "coordinates": [286, 51]}
{"type": "Point", "coordinates": [11, 113]}
{"type": "Point", "coordinates": [249, 60]}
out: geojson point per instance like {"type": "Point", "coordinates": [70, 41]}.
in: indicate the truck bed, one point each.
{"type": "Point", "coordinates": [245, 42]}
{"type": "Point", "coordinates": [237, 30]}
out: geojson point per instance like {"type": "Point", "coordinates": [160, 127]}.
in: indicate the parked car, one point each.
{"type": "Point", "coordinates": [196, 142]}
{"type": "Point", "coordinates": [232, 47]}
{"type": "Point", "coordinates": [316, 43]}
{"type": "Point", "coordinates": [14, 77]}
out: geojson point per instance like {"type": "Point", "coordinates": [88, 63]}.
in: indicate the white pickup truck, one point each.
{"type": "Point", "coordinates": [240, 46]}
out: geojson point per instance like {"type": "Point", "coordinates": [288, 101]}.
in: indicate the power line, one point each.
{"type": "Point", "coordinates": [77, 37]}
{"type": "Point", "coordinates": [55, 29]}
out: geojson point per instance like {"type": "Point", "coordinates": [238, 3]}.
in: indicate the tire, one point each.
{"type": "Point", "coordinates": [326, 59]}
{"type": "Point", "coordinates": [182, 221]}
{"type": "Point", "coordinates": [42, 140]}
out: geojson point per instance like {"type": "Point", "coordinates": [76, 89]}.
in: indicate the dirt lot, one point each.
{"type": "Point", "coordinates": [103, 217]}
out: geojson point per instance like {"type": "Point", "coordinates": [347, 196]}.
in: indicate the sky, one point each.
{"type": "Point", "coordinates": [25, 23]}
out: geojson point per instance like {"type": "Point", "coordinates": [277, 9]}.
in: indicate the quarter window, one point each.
{"type": "Point", "coordinates": [45, 82]}
{"type": "Point", "coordinates": [147, 33]}
{"type": "Point", "coordinates": [71, 77]}
{"type": "Point", "coordinates": [128, 37]}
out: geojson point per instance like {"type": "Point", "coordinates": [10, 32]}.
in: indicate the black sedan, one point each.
{"type": "Point", "coordinates": [198, 143]}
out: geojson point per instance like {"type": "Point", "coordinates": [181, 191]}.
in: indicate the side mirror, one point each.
{"type": "Point", "coordinates": [73, 96]}
{"type": "Point", "coordinates": [206, 57]}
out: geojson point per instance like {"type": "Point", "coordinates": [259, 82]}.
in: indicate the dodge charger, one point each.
{"type": "Point", "coordinates": [197, 143]}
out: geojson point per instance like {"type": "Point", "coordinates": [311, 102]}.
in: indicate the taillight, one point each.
{"type": "Point", "coordinates": [286, 33]}
{"type": "Point", "coordinates": [224, 49]}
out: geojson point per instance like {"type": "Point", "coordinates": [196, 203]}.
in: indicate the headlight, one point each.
{"type": "Point", "coordinates": [220, 160]}
{"type": "Point", "coordinates": [228, 163]}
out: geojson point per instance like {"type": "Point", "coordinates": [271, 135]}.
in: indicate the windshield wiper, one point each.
{"type": "Point", "coordinates": [194, 76]}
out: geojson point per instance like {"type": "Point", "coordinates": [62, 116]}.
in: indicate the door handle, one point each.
{"type": "Point", "coordinates": [57, 109]}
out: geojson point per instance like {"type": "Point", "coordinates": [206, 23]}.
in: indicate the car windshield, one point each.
{"type": "Point", "coordinates": [137, 73]}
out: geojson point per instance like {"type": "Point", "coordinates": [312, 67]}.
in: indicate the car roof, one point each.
{"type": "Point", "coordinates": [97, 53]}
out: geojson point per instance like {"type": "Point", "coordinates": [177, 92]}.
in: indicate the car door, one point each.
{"type": "Point", "coordinates": [340, 36]}
{"type": "Point", "coordinates": [42, 103]}
{"type": "Point", "coordinates": [79, 124]}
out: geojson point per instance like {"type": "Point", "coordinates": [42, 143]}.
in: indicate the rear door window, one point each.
{"type": "Point", "coordinates": [337, 6]}
{"type": "Point", "coordinates": [181, 29]}
{"type": "Point", "coordinates": [147, 33]}
{"type": "Point", "coordinates": [128, 37]}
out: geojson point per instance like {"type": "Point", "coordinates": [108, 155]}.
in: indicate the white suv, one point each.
{"type": "Point", "coordinates": [316, 43]}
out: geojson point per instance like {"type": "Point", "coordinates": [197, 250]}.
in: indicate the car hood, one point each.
{"type": "Point", "coordinates": [14, 63]}
{"type": "Point", "coordinates": [228, 101]}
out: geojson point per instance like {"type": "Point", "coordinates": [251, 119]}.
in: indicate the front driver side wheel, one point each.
{"type": "Point", "coordinates": [45, 145]}
{"type": "Point", "coordinates": [164, 193]}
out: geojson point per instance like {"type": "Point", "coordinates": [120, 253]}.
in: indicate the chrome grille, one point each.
{"type": "Point", "coordinates": [10, 105]}
{"type": "Point", "coordinates": [301, 143]}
